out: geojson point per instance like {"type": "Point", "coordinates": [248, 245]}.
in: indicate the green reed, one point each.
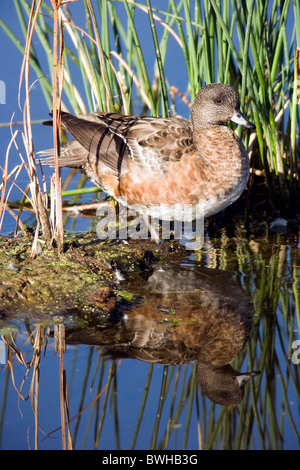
{"type": "Point", "coordinates": [252, 45]}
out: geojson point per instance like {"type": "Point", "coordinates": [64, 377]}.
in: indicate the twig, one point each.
{"type": "Point", "coordinates": [59, 234]}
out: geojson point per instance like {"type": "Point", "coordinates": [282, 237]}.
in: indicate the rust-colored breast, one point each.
{"type": "Point", "coordinates": [218, 168]}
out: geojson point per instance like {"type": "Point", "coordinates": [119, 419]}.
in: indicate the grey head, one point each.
{"type": "Point", "coordinates": [215, 104]}
{"type": "Point", "coordinates": [223, 385]}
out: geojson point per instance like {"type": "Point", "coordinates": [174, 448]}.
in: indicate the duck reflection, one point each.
{"type": "Point", "coordinates": [183, 313]}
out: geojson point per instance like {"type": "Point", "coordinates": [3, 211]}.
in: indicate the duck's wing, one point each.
{"type": "Point", "coordinates": [151, 141]}
{"type": "Point", "coordinates": [114, 138]}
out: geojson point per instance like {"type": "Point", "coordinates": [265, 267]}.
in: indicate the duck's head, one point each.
{"type": "Point", "coordinates": [215, 104]}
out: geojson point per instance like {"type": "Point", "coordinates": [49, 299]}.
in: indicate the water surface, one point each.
{"type": "Point", "coordinates": [154, 373]}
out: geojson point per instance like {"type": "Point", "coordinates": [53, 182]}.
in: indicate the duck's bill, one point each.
{"type": "Point", "coordinates": [238, 118]}
{"type": "Point", "coordinates": [245, 377]}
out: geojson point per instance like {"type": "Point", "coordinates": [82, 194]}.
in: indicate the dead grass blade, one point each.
{"type": "Point", "coordinates": [37, 197]}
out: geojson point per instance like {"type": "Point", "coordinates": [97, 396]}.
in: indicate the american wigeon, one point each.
{"type": "Point", "coordinates": [181, 314]}
{"type": "Point", "coordinates": [149, 162]}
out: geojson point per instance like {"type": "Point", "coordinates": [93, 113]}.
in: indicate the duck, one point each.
{"type": "Point", "coordinates": [159, 166]}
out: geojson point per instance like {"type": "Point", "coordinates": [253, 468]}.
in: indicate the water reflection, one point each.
{"type": "Point", "coordinates": [75, 396]}
{"type": "Point", "coordinates": [185, 313]}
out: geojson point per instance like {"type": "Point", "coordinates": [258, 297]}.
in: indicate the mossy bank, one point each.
{"type": "Point", "coordinates": [86, 278]}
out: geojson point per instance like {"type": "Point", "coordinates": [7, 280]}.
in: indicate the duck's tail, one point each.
{"type": "Point", "coordinates": [72, 155]}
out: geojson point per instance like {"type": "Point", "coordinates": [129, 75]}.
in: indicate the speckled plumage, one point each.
{"type": "Point", "coordinates": [147, 162]}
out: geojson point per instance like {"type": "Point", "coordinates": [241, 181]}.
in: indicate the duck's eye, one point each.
{"type": "Point", "coordinates": [218, 100]}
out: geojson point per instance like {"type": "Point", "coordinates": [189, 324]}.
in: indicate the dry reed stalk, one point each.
{"type": "Point", "coordinates": [57, 92]}
{"type": "Point", "coordinates": [4, 182]}
{"type": "Point", "coordinates": [65, 405]}
{"type": "Point", "coordinates": [111, 374]}
{"type": "Point", "coordinates": [87, 207]}
{"type": "Point", "coordinates": [60, 348]}
{"type": "Point", "coordinates": [7, 205]}
{"type": "Point", "coordinates": [37, 196]}
{"type": "Point", "coordinates": [159, 20]}
{"type": "Point", "coordinates": [174, 90]}
{"type": "Point", "coordinates": [7, 177]}
{"type": "Point", "coordinates": [37, 339]}
{"type": "Point", "coordinates": [69, 25]}
{"type": "Point", "coordinates": [34, 389]}
{"type": "Point", "coordinates": [62, 385]}
{"type": "Point", "coordinates": [133, 77]}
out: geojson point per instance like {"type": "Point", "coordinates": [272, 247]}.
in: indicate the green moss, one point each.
{"type": "Point", "coordinates": [126, 295]}
{"type": "Point", "coordinates": [57, 284]}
